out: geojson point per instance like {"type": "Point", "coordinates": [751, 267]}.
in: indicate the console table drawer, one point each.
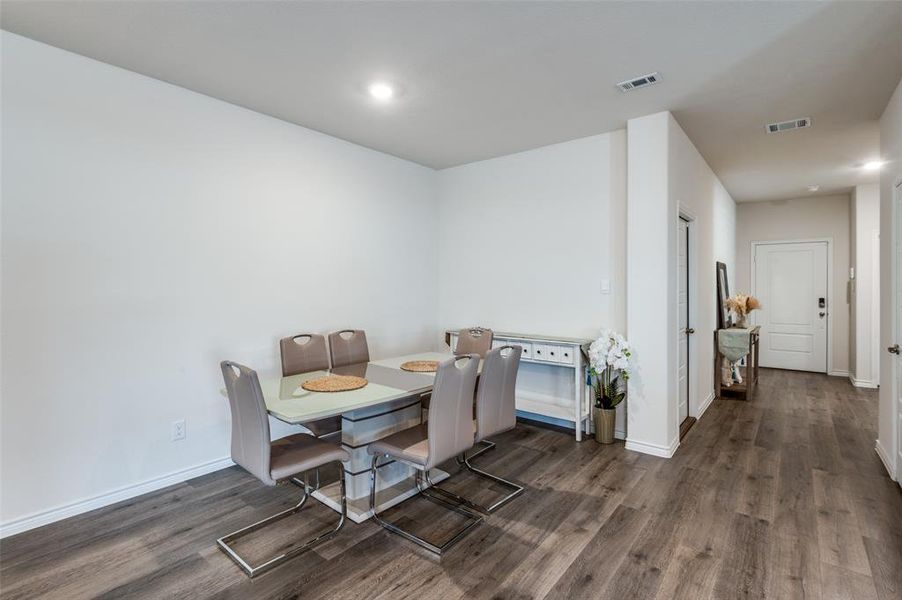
{"type": "Point", "coordinates": [565, 354]}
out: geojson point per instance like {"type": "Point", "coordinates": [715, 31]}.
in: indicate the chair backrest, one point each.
{"type": "Point", "coordinates": [450, 425]}
{"type": "Point", "coordinates": [475, 340]}
{"type": "Point", "coordinates": [348, 350]}
{"type": "Point", "coordinates": [250, 423]}
{"type": "Point", "coordinates": [303, 353]}
{"type": "Point", "coordinates": [495, 398]}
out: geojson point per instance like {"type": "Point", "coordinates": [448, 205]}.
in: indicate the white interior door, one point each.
{"type": "Point", "coordinates": [897, 341]}
{"type": "Point", "coordinates": [791, 283]}
{"type": "Point", "coordinates": [683, 320]}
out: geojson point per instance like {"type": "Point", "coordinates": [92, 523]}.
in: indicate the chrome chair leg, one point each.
{"type": "Point", "coordinates": [517, 489]}
{"type": "Point", "coordinates": [252, 571]}
{"type": "Point", "coordinates": [472, 519]}
{"type": "Point", "coordinates": [486, 446]}
{"type": "Point", "coordinates": [302, 483]}
{"type": "Point", "coordinates": [433, 488]}
{"type": "Point", "coordinates": [465, 462]}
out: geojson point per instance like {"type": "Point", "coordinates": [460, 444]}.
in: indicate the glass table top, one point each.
{"type": "Point", "coordinates": [288, 401]}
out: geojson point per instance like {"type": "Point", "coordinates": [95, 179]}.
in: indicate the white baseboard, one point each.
{"type": "Point", "coordinates": [653, 449]}
{"type": "Point", "coordinates": [124, 493]}
{"type": "Point", "coordinates": [884, 458]}
{"type": "Point", "coordinates": [863, 383]}
{"type": "Point", "coordinates": [707, 402]}
{"type": "Point", "coordinates": [837, 373]}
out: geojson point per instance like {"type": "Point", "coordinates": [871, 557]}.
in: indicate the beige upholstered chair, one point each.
{"type": "Point", "coordinates": [348, 347]}
{"type": "Point", "coordinates": [448, 433]}
{"type": "Point", "coordinates": [495, 413]}
{"type": "Point", "coordinates": [304, 353]}
{"type": "Point", "coordinates": [272, 462]}
{"type": "Point", "coordinates": [474, 340]}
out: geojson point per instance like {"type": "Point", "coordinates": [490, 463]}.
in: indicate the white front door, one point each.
{"type": "Point", "coordinates": [791, 283]}
{"type": "Point", "coordinates": [683, 320]}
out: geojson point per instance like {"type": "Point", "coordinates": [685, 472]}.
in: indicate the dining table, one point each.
{"type": "Point", "coordinates": [389, 402]}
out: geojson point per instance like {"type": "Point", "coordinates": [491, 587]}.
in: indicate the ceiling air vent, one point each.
{"type": "Point", "coordinates": [631, 84]}
{"type": "Point", "coordinates": [788, 125]}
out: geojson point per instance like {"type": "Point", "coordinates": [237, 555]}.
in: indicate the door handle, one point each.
{"type": "Point", "coordinates": [822, 314]}
{"type": "Point", "coordinates": [690, 331]}
{"type": "Point", "coordinates": [894, 349]}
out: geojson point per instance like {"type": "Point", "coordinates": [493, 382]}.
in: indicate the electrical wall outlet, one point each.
{"type": "Point", "coordinates": [178, 430]}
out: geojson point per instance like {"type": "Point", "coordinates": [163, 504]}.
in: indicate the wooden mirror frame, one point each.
{"type": "Point", "coordinates": [723, 292]}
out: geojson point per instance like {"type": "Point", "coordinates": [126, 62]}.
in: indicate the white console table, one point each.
{"type": "Point", "coordinates": [547, 360]}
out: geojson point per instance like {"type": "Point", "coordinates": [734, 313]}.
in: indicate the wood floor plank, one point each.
{"type": "Point", "coordinates": [640, 573]}
{"type": "Point", "coordinates": [540, 570]}
{"type": "Point", "coordinates": [744, 569]}
{"type": "Point", "coordinates": [840, 584]}
{"type": "Point", "coordinates": [691, 574]}
{"type": "Point", "coordinates": [884, 559]}
{"type": "Point", "coordinates": [593, 569]}
{"type": "Point", "coordinates": [840, 541]}
{"type": "Point", "coordinates": [758, 495]}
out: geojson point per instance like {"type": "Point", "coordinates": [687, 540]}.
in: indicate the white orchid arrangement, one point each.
{"type": "Point", "coordinates": [609, 362]}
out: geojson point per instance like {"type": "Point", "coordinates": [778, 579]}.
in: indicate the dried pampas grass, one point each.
{"type": "Point", "coordinates": [742, 304]}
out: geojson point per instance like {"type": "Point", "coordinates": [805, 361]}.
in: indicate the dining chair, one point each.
{"type": "Point", "coordinates": [272, 462]}
{"type": "Point", "coordinates": [304, 353]}
{"type": "Point", "coordinates": [348, 347]}
{"type": "Point", "coordinates": [474, 340]}
{"type": "Point", "coordinates": [448, 433]}
{"type": "Point", "coordinates": [495, 413]}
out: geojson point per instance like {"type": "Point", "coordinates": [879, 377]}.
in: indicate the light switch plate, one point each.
{"type": "Point", "coordinates": [605, 286]}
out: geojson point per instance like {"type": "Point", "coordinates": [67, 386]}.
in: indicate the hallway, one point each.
{"type": "Point", "coordinates": [782, 497]}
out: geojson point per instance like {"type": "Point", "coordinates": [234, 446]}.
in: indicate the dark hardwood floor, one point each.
{"type": "Point", "coordinates": [780, 497]}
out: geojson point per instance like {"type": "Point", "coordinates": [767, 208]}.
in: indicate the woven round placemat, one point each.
{"type": "Point", "coordinates": [334, 383]}
{"type": "Point", "coordinates": [420, 366]}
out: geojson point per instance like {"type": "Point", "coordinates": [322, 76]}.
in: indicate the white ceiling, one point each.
{"type": "Point", "coordinates": [491, 78]}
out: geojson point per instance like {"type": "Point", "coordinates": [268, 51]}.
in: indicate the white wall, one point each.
{"type": "Point", "coordinates": [149, 232]}
{"type": "Point", "coordinates": [667, 176]}
{"type": "Point", "coordinates": [698, 192]}
{"type": "Point", "coordinates": [798, 219]}
{"type": "Point", "coordinates": [525, 240]}
{"type": "Point", "coordinates": [864, 257]}
{"type": "Point", "coordinates": [891, 152]}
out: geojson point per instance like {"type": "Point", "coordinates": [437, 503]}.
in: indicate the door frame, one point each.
{"type": "Point", "coordinates": [695, 405]}
{"type": "Point", "coordinates": [830, 299]}
{"type": "Point", "coordinates": [874, 375]}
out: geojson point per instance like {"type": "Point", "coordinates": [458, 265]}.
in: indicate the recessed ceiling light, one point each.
{"type": "Point", "coordinates": [872, 165]}
{"type": "Point", "coordinates": [381, 91]}
{"type": "Point", "coordinates": [813, 188]}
